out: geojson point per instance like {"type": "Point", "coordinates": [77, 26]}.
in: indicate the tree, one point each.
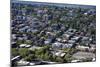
{"type": "Point", "coordinates": [46, 56]}
{"type": "Point", "coordinates": [93, 31]}
{"type": "Point", "coordinates": [24, 52]}
{"type": "Point", "coordinates": [30, 57]}
{"type": "Point", "coordinates": [52, 57]}
{"type": "Point", "coordinates": [67, 58]}
{"type": "Point", "coordinates": [42, 53]}
{"type": "Point", "coordinates": [59, 59]}
{"type": "Point", "coordinates": [14, 52]}
{"type": "Point", "coordinates": [28, 42]}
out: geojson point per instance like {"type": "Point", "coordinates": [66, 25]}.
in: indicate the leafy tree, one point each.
{"type": "Point", "coordinates": [59, 59]}
{"type": "Point", "coordinates": [28, 42]}
{"type": "Point", "coordinates": [93, 31]}
{"type": "Point", "coordinates": [14, 52]}
{"type": "Point", "coordinates": [24, 52]}
{"type": "Point", "coordinates": [67, 58]}
{"type": "Point", "coordinates": [52, 58]}
{"type": "Point", "coordinates": [30, 57]}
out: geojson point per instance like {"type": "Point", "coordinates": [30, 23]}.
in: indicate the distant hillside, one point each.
{"type": "Point", "coordinates": [55, 4]}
